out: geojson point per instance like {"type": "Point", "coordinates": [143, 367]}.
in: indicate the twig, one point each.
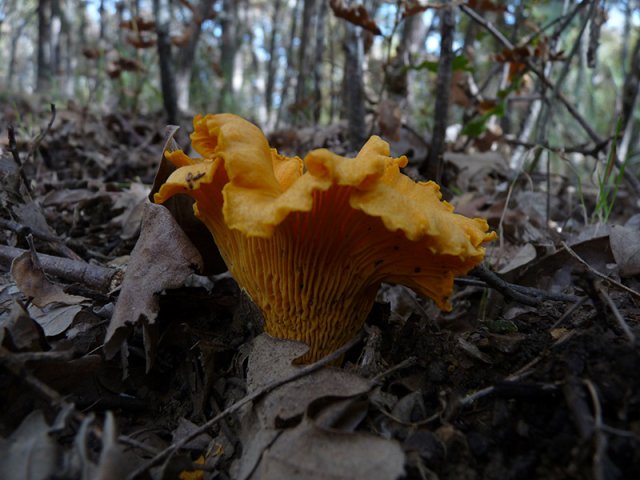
{"type": "Point", "coordinates": [304, 371]}
{"type": "Point", "coordinates": [13, 148]}
{"type": "Point", "coordinates": [502, 39]}
{"type": "Point", "coordinates": [614, 310]}
{"type": "Point", "coordinates": [56, 243]}
{"type": "Point", "coordinates": [600, 439]}
{"type": "Point", "coordinates": [569, 312]}
{"type": "Point", "coordinates": [38, 140]}
{"type": "Point", "coordinates": [583, 149]}
{"type": "Point", "coordinates": [597, 273]}
{"type": "Point", "coordinates": [103, 279]}
{"type": "Point", "coordinates": [408, 362]}
{"type": "Point", "coordinates": [525, 295]}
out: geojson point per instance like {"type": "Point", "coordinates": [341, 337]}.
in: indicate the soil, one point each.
{"type": "Point", "coordinates": [495, 390]}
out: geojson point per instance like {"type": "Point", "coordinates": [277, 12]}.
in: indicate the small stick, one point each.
{"type": "Point", "coordinates": [38, 140]}
{"type": "Point", "coordinates": [598, 274]}
{"type": "Point", "coordinates": [171, 449]}
{"type": "Point", "coordinates": [614, 310]}
{"type": "Point", "coordinates": [102, 279]}
{"type": "Point", "coordinates": [13, 148]}
{"type": "Point", "coordinates": [600, 439]}
{"type": "Point", "coordinates": [408, 362]}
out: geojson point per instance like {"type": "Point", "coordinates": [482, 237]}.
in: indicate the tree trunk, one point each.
{"type": "Point", "coordinates": [43, 67]}
{"type": "Point", "coordinates": [353, 86]}
{"type": "Point", "coordinates": [15, 38]}
{"type": "Point", "coordinates": [287, 76]}
{"type": "Point", "coordinates": [318, 64]}
{"type": "Point", "coordinates": [271, 63]}
{"type": "Point", "coordinates": [302, 99]}
{"type": "Point", "coordinates": [228, 48]}
{"type": "Point", "coordinates": [432, 168]}
{"type": "Point", "coordinates": [167, 80]}
{"type": "Point", "coordinates": [187, 55]}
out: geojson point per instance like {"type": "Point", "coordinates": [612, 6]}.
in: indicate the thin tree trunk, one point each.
{"type": "Point", "coordinates": [302, 85]}
{"type": "Point", "coordinates": [333, 97]}
{"type": "Point", "coordinates": [187, 55]}
{"type": "Point", "coordinates": [102, 12]}
{"type": "Point", "coordinates": [287, 76]}
{"type": "Point", "coordinates": [167, 80]}
{"type": "Point", "coordinates": [15, 38]}
{"type": "Point", "coordinates": [319, 60]}
{"type": "Point", "coordinates": [43, 74]}
{"type": "Point", "coordinates": [228, 50]}
{"type": "Point", "coordinates": [353, 85]}
{"type": "Point", "coordinates": [271, 63]}
{"type": "Point", "coordinates": [432, 168]}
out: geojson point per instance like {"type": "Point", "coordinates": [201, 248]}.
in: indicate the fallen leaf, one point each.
{"type": "Point", "coordinates": [55, 319]}
{"type": "Point", "coordinates": [271, 359]}
{"type": "Point", "coordinates": [313, 453]}
{"type": "Point", "coordinates": [20, 331]}
{"type": "Point", "coordinates": [626, 249]}
{"type": "Point", "coordinates": [34, 284]}
{"type": "Point", "coordinates": [29, 453]}
{"type": "Point", "coordinates": [162, 259]}
{"type": "Point", "coordinates": [525, 255]}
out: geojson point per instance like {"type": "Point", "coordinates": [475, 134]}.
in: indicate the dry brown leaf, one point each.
{"type": "Point", "coordinates": [30, 452]}
{"type": "Point", "coordinates": [310, 452]}
{"type": "Point", "coordinates": [162, 259]}
{"type": "Point", "coordinates": [18, 331]}
{"type": "Point", "coordinates": [525, 255]}
{"type": "Point", "coordinates": [357, 14]}
{"type": "Point", "coordinates": [34, 284]}
{"type": "Point", "coordinates": [271, 359]}
{"type": "Point", "coordinates": [55, 319]}
{"type": "Point", "coordinates": [625, 246]}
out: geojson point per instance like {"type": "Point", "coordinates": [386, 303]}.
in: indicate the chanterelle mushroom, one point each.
{"type": "Point", "coordinates": [310, 242]}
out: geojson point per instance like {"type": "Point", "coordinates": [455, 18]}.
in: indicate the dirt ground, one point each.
{"type": "Point", "coordinates": [534, 378]}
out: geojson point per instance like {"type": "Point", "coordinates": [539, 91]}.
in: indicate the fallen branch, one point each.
{"type": "Point", "coordinates": [103, 279]}
{"type": "Point", "coordinates": [526, 295]}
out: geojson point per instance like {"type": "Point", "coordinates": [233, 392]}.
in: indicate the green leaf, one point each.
{"type": "Point", "coordinates": [460, 62]}
{"type": "Point", "coordinates": [475, 127]}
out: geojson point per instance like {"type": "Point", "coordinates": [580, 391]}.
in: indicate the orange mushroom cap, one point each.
{"type": "Point", "coordinates": [310, 241]}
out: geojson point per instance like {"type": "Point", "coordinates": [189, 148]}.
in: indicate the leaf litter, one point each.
{"type": "Point", "coordinates": [103, 375]}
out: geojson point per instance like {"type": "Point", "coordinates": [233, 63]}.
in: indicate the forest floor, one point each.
{"type": "Point", "coordinates": [538, 380]}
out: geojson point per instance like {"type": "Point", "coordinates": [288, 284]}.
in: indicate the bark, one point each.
{"type": "Point", "coordinates": [271, 64]}
{"type": "Point", "coordinates": [410, 44]}
{"type": "Point", "coordinates": [43, 67]}
{"type": "Point", "coordinates": [167, 79]}
{"type": "Point", "coordinates": [432, 168]}
{"type": "Point", "coordinates": [631, 83]}
{"type": "Point", "coordinates": [15, 38]}
{"type": "Point", "coordinates": [287, 77]}
{"type": "Point", "coordinates": [102, 12]}
{"type": "Point", "coordinates": [319, 60]}
{"type": "Point", "coordinates": [228, 48]}
{"type": "Point", "coordinates": [187, 55]}
{"type": "Point", "coordinates": [333, 97]}
{"type": "Point", "coordinates": [302, 86]}
{"type": "Point", "coordinates": [353, 86]}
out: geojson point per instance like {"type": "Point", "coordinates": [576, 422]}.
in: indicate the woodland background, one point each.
{"type": "Point", "coordinates": [556, 74]}
{"type": "Point", "coordinates": [526, 112]}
